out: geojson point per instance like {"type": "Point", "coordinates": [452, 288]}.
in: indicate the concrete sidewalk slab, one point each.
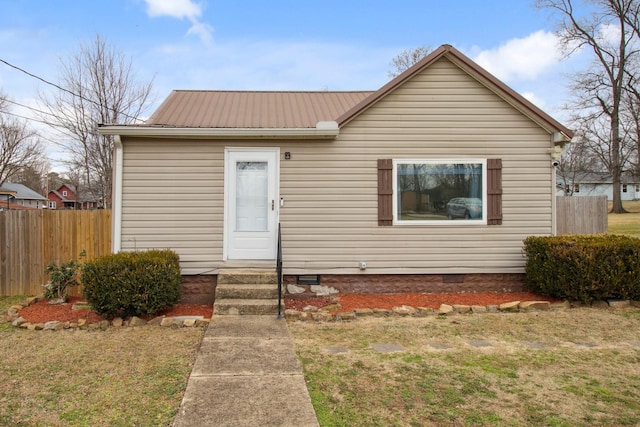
{"type": "Point", "coordinates": [246, 374]}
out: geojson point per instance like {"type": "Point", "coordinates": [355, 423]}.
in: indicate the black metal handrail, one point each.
{"type": "Point", "coordinates": [279, 272]}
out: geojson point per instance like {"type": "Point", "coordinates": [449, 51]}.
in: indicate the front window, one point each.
{"type": "Point", "coordinates": [624, 188]}
{"type": "Point", "coordinates": [437, 191]}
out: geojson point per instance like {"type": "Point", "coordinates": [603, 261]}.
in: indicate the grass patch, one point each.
{"type": "Point", "coordinates": [127, 376]}
{"type": "Point", "coordinates": [558, 384]}
{"type": "Point", "coordinates": [628, 223]}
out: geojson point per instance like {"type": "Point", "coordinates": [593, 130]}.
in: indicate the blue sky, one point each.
{"type": "Point", "coordinates": [275, 45]}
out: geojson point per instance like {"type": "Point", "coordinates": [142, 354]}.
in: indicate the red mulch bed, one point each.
{"type": "Point", "coordinates": [349, 302]}
{"type": "Point", "coordinates": [42, 311]}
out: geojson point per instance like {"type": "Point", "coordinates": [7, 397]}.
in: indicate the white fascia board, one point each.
{"type": "Point", "coordinates": [222, 133]}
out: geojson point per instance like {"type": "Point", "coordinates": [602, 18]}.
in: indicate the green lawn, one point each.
{"type": "Point", "coordinates": [577, 367]}
{"type": "Point", "coordinates": [628, 223]}
{"type": "Point", "coordinates": [118, 377]}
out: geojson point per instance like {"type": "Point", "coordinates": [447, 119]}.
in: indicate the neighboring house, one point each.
{"type": "Point", "coordinates": [63, 198]}
{"type": "Point", "coordinates": [359, 181]}
{"type": "Point", "coordinates": [598, 184]}
{"type": "Point", "coordinates": [25, 196]}
{"type": "Point", "coordinates": [6, 198]}
{"type": "Point", "coordinates": [67, 197]}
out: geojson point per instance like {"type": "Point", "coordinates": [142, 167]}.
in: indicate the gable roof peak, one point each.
{"type": "Point", "coordinates": [525, 106]}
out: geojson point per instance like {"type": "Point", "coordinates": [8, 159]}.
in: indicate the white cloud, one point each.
{"type": "Point", "coordinates": [534, 99]}
{"type": "Point", "coordinates": [182, 9]}
{"type": "Point", "coordinates": [174, 8]}
{"type": "Point", "coordinates": [522, 58]}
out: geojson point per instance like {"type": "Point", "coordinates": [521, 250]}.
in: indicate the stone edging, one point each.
{"type": "Point", "coordinates": [13, 317]}
{"type": "Point", "coordinates": [311, 313]}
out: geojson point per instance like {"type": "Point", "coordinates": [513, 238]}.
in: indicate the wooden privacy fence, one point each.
{"type": "Point", "coordinates": [581, 214]}
{"type": "Point", "coordinates": [30, 240]}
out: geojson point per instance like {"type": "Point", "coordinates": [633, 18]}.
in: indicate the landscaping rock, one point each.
{"type": "Point", "coordinates": [136, 321]}
{"type": "Point", "coordinates": [363, 312]}
{"type": "Point", "coordinates": [117, 322]}
{"type": "Point", "coordinates": [51, 326]}
{"type": "Point", "coordinates": [404, 310]}
{"type": "Point", "coordinates": [166, 322]}
{"type": "Point", "coordinates": [346, 316]}
{"type": "Point", "coordinates": [381, 312]}
{"type": "Point", "coordinates": [155, 321]}
{"type": "Point", "coordinates": [424, 311]}
{"type": "Point", "coordinates": [310, 308]}
{"type": "Point", "coordinates": [321, 316]}
{"type": "Point", "coordinates": [509, 306]}
{"type": "Point", "coordinates": [493, 309]}
{"type": "Point", "coordinates": [445, 310]}
{"type": "Point", "coordinates": [459, 308]}
{"type": "Point", "coordinates": [478, 309]}
{"type": "Point", "coordinates": [82, 323]}
{"type": "Point", "coordinates": [535, 306]}
{"type": "Point", "coordinates": [189, 323]}
{"type": "Point", "coordinates": [292, 314]}
{"type": "Point", "coordinates": [293, 289]}
{"type": "Point", "coordinates": [19, 321]}
{"type": "Point", "coordinates": [323, 291]}
{"type": "Point", "coordinates": [617, 303]}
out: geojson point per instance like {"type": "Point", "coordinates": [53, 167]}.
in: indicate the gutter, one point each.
{"type": "Point", "coordinates": [323, 130]}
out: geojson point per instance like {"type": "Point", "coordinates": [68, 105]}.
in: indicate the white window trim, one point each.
{"type": "Point", "coordinates": [445, 222]}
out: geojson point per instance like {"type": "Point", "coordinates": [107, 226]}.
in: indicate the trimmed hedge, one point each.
{"type": "Point", "coordinates": [132, 283]}
{"type": "Point", "coordinates": [583, 268]}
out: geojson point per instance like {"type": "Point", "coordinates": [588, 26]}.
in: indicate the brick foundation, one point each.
{"type": "Point", "coordinates": [198, 289]}
{"type": "Point", "coordinates": [416, 283]}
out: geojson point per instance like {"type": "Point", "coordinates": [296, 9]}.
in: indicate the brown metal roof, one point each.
{"type": "Point", "coordinates": [252, 109]}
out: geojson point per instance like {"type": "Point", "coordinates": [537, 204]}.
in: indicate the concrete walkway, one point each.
{"type": "Point", "coordinates": [246, 374]}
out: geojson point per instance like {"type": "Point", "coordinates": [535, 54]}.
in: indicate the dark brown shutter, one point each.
{"type": "Point", "coordinates": [385, 192]}
{"type": "Point", "coordinates": [494, 191]}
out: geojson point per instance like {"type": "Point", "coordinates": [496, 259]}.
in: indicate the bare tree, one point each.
{"type": "Point", "coordinates": [603, 27]}
{"type": "Point", "coordinates": [97, 86]}
{"type": "Point", "coordinates": [405, 59]}
{"type": "Point", "coordinates": [19, 146]}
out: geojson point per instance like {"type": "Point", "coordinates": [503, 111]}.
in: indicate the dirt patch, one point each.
{"type": "Point", "coordinates": [349, 302]}
{"type": "Point", "coordinates": [42, 311]}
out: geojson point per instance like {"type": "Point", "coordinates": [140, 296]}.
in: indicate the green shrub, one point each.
{"type": "Point", "coordinates": [132, 283]}
{"type": "Point", "coordinates": [583, 268]}
{"type": "Point", "coordinates": [61, 277]}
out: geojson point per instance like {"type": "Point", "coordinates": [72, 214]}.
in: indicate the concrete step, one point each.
{"type": "Point", "coordinates": [246, 291]}
{"type": "Point", "coordinates": [237, 306]}
{"type": "Point", "coordinates": [255, 277]}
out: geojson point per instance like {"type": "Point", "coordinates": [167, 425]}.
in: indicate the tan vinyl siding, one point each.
{"type": "Point", "coordinates": [173, 190]}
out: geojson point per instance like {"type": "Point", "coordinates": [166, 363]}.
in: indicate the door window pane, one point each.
{"type": "Point", "coordinates": [251, 196]}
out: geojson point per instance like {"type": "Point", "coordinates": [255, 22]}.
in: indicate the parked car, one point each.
{"type": "Point", "coordinates": [464, 207]}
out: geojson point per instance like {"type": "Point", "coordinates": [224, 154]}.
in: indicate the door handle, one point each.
{"type": "Point", "coordinates": [273, 205]}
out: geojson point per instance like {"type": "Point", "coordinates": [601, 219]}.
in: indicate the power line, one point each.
{"type": "Point", "coordinates": [22, 70]}
{"type": "Point", "coordinates": [30, 108]}
{"type": "Point", "coordinates": [32, 119]}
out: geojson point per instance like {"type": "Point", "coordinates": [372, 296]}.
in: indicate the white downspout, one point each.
{"type": "Point", "coordinates": [116, 236]}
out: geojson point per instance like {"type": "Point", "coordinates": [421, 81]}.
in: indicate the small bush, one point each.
{"type": "Point", "coordinates": [61, 278]}
{"type": "Point", "coordinates": [132, 283]}
{"type": "Point", "coordinates": [583, 268]}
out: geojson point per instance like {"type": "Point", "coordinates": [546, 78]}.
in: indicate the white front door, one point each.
{"type": "Point", "coordinates": [251, 203]}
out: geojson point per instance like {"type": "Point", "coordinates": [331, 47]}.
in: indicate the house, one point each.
{"type": "Point", "coordinates": [25, 196]}
{"type": "Point", "coordinates": [6, 198]}
{"type": "Point", "coordinates": [598, 184]}
{"type": "Point", "coordinates": [63, 198]}
{"type": "Point", "coordinates": [360, 182]}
